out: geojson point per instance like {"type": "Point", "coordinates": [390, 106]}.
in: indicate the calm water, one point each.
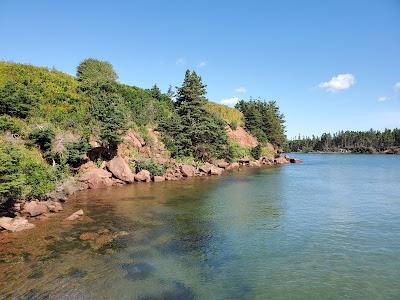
{"type": "Point", "coordinates": [325, 229]}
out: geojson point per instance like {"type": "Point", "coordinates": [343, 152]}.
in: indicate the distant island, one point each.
{"type": "Point", "coordinates": [372, 141]}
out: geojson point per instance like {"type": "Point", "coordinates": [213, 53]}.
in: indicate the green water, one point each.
{"type": "Point", "coordinates": [325, 229]}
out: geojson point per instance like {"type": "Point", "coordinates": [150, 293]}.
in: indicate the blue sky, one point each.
{"type": "Point", "coordinates": [327, 63]}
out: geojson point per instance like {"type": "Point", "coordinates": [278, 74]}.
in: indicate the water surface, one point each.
{"type": "Point", "coordinates": [325, 229]}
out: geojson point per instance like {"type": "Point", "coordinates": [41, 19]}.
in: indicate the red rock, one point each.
{"type": "Point", "coordinates": [54, 206]}
{"type": "Point", "coordinates": [216, 170]}
{"type": "Point", "coordinates": [120, 169]}
{"type": "Point", "coordinates": [281, 160]}
{"type": "Point", "coordinates": [295, 160]}
{"type": "Point", "coordinates": [221, 163]}
{"type": "Point", "coordinates": [88, 236]}
{"type": "Point", "coordinates": [15, 224]}
{"type": "Point", "coordinates": [75, 216]}
{"type": "Point", "coordinates": [143, 175]}
{"type": "Point", "coordinates": [233, 165]}
{"type": "Point", "coordinates": [34, 208]}
{"type": "Point", "coordinates": [206, 168]}
{"type": "Point", "coordinates": [188, 170]}
{"type": "Point", "coordinates": [255, 163]}
{"type": "Point", "coordinates": [158, 178]}
{"type": "Point", "coordinates": [96, 178]}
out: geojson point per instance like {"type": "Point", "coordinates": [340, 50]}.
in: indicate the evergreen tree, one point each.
{"type": "Point", "coordinates": [14, 100]}
{"type": "Point", "coordinates": [156, 92]}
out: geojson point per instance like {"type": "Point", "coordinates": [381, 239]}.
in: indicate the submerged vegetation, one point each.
{"type": "Point", "coordinates": [51, 123]}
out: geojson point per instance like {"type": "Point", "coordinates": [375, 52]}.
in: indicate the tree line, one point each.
{"type": "Point", "coordinates": [353, 141]}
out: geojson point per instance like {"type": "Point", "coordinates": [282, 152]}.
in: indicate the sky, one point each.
{"type": "Point", "coordinates": [330, 65]}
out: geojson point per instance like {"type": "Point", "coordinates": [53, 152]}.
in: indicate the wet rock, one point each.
{"type": "Point", "coordinates": [179, 292]}
{"type": "Point", "coordinates": [137, 271]}
{"type": "Point", "coordinates": [206, 168]}
{"type": "Point", "coordinates": [120, 169]}
{"type": "Point", "coordinates": [143, 175]}
{"type": "Point", "coordinates": [15, 224]}
{"type": "Point", "coordinates": [158, 178]}
{"type": "Point", "coordinates": [255, 163]}
{"type": "Point", "coordinates": [75, 216]}
{"type": "Point", "coordinates": [97, 178]}
{"type": "Point", "coordinates": [34, 208]}
{"type": "Point", "coordinates": [103, 239]}
{"type": "Point", "coordinates": [77, 273]}
{"type": "Point", "coordinates": [188, 170]}
{"type": "Point", "coordinates": [295, 161]}
{"type": "Point", "coordinates": [267, 160]}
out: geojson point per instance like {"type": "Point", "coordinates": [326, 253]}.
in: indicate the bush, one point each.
{"type": "Point", "coordinates": [23, 173]}
{"type": "Point", "coordinates": [154, 168]}
{"type": "Point", "coordinates": [8, 123]}
{"type": "Point", "coordinates": [256, 152]}
{"type": "Point", "coordinates": [75, 151]}
{"type": "Point", "coordinates": [236, 152]}
{"type": "Point", "coordinates": [42, 137]}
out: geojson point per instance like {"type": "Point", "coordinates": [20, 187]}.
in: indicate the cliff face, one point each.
{"type": "Point", "coordinates": [241, 137]}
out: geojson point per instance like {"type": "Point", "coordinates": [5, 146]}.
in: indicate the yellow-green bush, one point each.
{"type": "Point", "coordinates": [231, 116]}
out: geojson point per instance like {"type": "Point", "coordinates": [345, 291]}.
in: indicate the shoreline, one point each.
{"type": "Point", "coordinates": [24, 211]}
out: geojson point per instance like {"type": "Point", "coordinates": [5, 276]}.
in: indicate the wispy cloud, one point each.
{"type": "Point", "coordinates": [397, 86]}
{"type": "Point", "coordinates": [180, 61]}
{"type": "Point", "coordinates": [230, 101]}
{"type": "Point", "coordinates": [203, 63]}
{"type": "Point", "coordinates": [339, 82]}
{"type": "Point", "coordinates": [383, 99]}
{"type": "Point", "coordinates": [241, 89]}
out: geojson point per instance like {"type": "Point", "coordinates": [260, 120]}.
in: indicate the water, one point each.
{"type": "Point", "coordinates": [325, 229]}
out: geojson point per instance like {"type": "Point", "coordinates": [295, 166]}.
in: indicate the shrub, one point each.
{"type": "Point", "coordinates": [236, 152]}
{"type": "Point", "coordinates": [42, 137]}
{"type": "Point", "coordinates": [256, 152]}
{"type": "Point", "coordinates": [11, 124]}
{"type": "Point", "coordinates": [154, 168]}
{"type": "Point", "coordinates": [75, 151]}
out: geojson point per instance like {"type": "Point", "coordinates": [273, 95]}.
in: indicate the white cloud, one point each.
{"type": "Point", "coordinates": [397, 86]}
{"type": "Point", "coordinates": [383, 99]}
{"type": "Point", "coordinates": [180, 61]}
{"type": "Point", "coordinates": [203, 63]}
{"type": "Point", "coordinates": [241, 89]}
{"type": "Point", "coordinates": [339, 82]}
{"type": "Point", "coordinates": [230, 101]}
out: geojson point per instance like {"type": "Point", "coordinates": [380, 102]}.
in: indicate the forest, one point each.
{"type": "Point", "coordinates": [372, 141]}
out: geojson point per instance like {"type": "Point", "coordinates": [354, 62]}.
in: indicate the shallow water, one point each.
{"type": "Point", "coordinates": [325, 229]}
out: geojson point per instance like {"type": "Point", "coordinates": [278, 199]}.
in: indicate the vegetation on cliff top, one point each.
{"type": "Point", "coordinates": [49, 121]}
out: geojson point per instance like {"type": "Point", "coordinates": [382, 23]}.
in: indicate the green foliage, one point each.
{"type": "Point", "coordinates": [195, 131]}
{"type": "Point", "coordinates": [93, 70]}
{"type": "Point", "coordinates": [236, 152]}
{"type": "Point", "coordinates": [231, 116]}
{"type": "Point", "coordinates": [23, 173]}
{"type": "Point", "coordinates": [13, 125]}
{"type": "Point", "coordinates": [15, 100]}
{"type": "Point", "coordinates": [256, 152]}
{"type": "Point", "coordinates": [42, 137]}
{"type": "Point", "coordinates": [154, 168]}
{"type": "Point", "coordinates": [75, 152]}
{"type": "Point", "coordinates": [264, 120]}
{"type": "Point", "coordinates": [356, 141]}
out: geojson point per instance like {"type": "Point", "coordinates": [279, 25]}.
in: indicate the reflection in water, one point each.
{"type": "Point", "coordinates": [298, 231]}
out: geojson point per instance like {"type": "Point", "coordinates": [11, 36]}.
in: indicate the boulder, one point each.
{"type": "Point", "coordinates": [75, 216]}
{"type": "Point", "coordinates": [53, 206]}
{"type": "Point", "coordinates": [221, 163]}
{"type": "Point", "coordinates": [158, 178]}
{"type": "Point", "coordinates": [216, 170]}
{"type": "Point", "coordinates": [206, 168]}
{"type": "Point", "coordinates": [281, 160]}
{"type": "Point", "coordinates": [143, 175]}
{"type": "Point", "coordinates": [133, 139]}
{"type": "Point", "coordinates": [120, 169]}
{"type": "Point", "coordinates": [15, 224]}
{"type": "Point", "coordinates": [34, 208]}
{"type": "Point", "coordinates": [97, 178]}
{"type": "Point", "coordinates": [295, 160]}
{"type": "Point", "coordinates": [188, 170]}
{"type": "Point", "coordinates": [232, 166]}
{"type": "Point", "coordinates": [255, 163]}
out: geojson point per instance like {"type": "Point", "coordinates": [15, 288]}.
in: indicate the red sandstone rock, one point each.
{"type": "Point", "coordinates": [143, 175]}
{"type": "Point", "coordinates": [188, 170]}
{"type": "Point", "coordinates": [158, 178]}
{"type": "Point", "coordinates": [97, 178]}
{"type": "Point", "coordinates": [120, 169]}
{"type": "Point", "coordinates": [221, 163]}
{"type": "Point", "coordinates": [34, 208]}
{"type": "Point", "coordinates": [15, 224]}
{"type": "Point", "coordinates": [75, 216]}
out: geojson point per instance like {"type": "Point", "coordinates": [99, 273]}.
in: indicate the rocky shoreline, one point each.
{"type": "Point", "coordinates": [116, 172]}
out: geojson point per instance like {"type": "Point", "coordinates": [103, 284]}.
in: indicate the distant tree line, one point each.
{"type": "Point", "coordinates": [353, 141]}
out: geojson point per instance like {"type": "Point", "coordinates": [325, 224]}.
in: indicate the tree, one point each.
{"type": "Point", "coordinates": [15, 100]}
{"type": "Point", "coordinates": [199, 133]}
{"type": "Point", "coordinates": [155, 92]}
{"type": "Point", "coordinates": [93, 69]}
